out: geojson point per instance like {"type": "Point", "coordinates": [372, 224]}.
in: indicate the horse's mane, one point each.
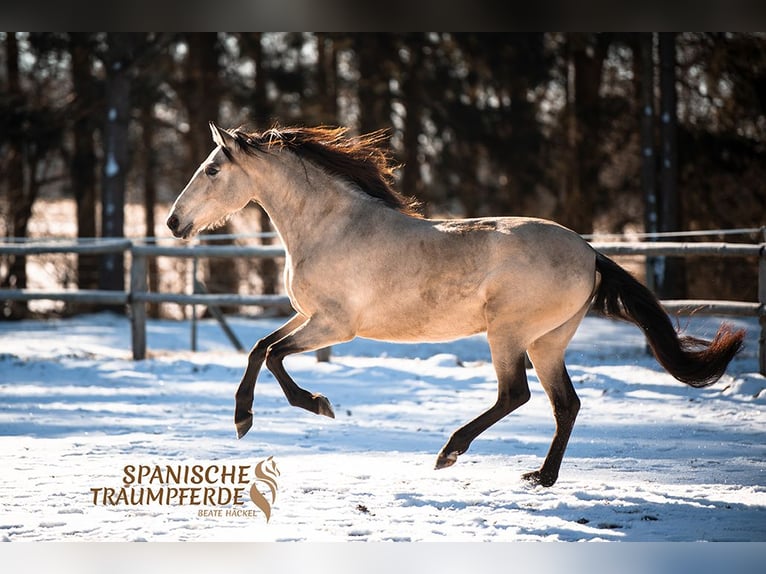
{"type": "Point", "coordinates": [361, 160]}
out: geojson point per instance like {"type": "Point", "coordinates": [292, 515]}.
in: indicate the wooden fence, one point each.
{"type": "Point", "coordinates": [138, 295]}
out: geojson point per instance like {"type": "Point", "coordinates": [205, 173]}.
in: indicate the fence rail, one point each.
{"type": "Point", "coordinates": [208, 251]}
{"type": "Point", "coordinates": [680, 249]}
{"type": "Point", "coordinates": [93, 246]}
{"type": "Point", "coordinates": [138, 295]}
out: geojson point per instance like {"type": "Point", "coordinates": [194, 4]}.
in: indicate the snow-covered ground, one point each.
{"type": "Point", "coordinates": [650, 459]}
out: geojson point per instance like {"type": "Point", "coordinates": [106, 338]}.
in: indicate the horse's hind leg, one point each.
{"type": "Point", "coordinates": [314, 334]}
{"type": "Point", "coordinates": [547, 356]}
{"type": "Point", "coordinates": [243, 410]}
{"type": "Point", "coordinates": [512, 392]}
{"type": "Point", "coordinates": [558, 386]}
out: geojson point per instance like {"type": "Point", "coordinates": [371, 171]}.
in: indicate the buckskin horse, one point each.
{"type": "Point", "coordinates": [361, 261]}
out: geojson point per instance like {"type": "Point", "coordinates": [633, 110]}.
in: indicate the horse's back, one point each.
{"type": "Point", "coordinates": [535, 266]}
{"type": "Point", "coordinates": [529, 245]}
{"type": "Point", "coordinates": [443, 279]}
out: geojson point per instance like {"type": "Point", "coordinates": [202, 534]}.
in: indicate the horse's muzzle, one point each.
{"type": "Point", "coordinates": [174, 223]}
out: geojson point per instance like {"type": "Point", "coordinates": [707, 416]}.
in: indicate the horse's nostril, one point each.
{"type": "Point", "coordinates": [173, 222]}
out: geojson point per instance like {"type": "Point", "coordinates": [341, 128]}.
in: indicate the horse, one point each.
{"type": "Point", "coordinates": [361, 261]}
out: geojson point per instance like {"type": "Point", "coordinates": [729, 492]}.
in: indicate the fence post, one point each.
{"type": "Point", "coordinates": [138, 308]}
{"type": "Point", "coordinates": [193, 334]}
{"type": "Point", "coordinates": [762, 304]}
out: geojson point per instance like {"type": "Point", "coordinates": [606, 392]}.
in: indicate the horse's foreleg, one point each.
{"type": "Point", "coordinates": [314, 334]}
{"type": "Point", "coordinates": [512, 392]}
{"type": "Point", "coordinates": [243, 410]}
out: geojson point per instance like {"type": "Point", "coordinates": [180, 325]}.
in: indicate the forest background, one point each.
{"type": "Point", "coordinates": [604, 133]}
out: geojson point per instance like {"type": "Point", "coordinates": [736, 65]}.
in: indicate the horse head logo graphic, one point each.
{"type": "Point", "coordinates": [266, 472]}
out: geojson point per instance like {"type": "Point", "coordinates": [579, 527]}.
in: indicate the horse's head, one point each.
{"type": "Point", "coordinates": [217, 189]}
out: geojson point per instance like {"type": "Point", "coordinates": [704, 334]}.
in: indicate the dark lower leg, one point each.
{"type": "Point", "coordinates": [243, 410]}
{"type": "Point", "coordinates": [243, 398]}
{"type": "Point", "coordinates": [513, 392]}
{"type": "Point", "coordinates": [296, 396]}
{"type": "Point", "coordinates": [565, 408]}
{"type": "Point", "coordinates": [316, 333]}
{"type": "Point", "coordinates": [547, 356]}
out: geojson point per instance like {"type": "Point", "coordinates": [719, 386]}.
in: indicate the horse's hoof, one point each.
{"type": "Point", "coordinates": [323, 406]}
{"type": "Point", "coordinates": [244, 425]}
{"type": "Point", "coordinates": [445, 460]}
{"type": "Point", "coordinates": [538, 478]}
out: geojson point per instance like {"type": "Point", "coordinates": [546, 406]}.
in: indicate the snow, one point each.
{"type": "Point", "coordinates": [650, 459]}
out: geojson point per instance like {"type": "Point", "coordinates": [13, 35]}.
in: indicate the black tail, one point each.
{"type": "Point", "coordinates": [693, 361]}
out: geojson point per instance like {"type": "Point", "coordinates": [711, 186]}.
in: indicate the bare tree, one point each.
{"type": "Point", "coordinates": [670, 280]}
{"type": "Point", "coordinates": [587, 53]}
{"type": "Point", "coordinates": [18, 194]}
{"type": "Point", "coordinates": [85, 107]}
{"type": "Point", "coordinates": [119, 55]}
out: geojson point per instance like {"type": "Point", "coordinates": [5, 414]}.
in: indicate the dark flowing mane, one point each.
{"type": "Point", "coordinates": [359, 159]}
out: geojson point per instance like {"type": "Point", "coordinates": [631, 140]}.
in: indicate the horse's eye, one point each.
{"type": "Point", "coordinates": [211, 170]}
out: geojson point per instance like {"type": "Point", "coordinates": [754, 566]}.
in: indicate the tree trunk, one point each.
{"type": "Point", "coordinates": [204, 87]}
{"type": "Point", "coordinates": [116, 157]}
{"type": "Point", "coordinates": [588, 56]}
{"type": "Point", "coordinates": [327, 79]}
{"type": "Point", "coordinates": [262, 111]}
{"type": "Point", "coordinates": [412, 184]}
{"type": "Point", "coordinates": [645, 61]}
{"type": "Point", "coordinates": [18, 194]}
{"type": "Point", "coordinates": [374, 96]}
{"type": "Point", "coordinates": [150, 194]}
{"type": "Point", "coordinates": [522, 172]}
{"type": "Point", "coordinates": [83, 165]}
{"type": "Point", "coordinates": [671, 284]}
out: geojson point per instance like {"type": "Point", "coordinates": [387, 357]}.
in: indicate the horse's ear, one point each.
{"type": "Point", "coordinates": [221, 137]}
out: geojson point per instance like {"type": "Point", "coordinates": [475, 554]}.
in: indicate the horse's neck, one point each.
{"type": "Point", "coordinates": [304, 203]}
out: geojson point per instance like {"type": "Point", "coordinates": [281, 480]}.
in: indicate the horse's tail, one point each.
{"type": "Point", "coordinates": [693, 361]}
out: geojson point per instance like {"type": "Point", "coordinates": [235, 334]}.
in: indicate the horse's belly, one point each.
{"type": "Point", "coordinates": [423, 324]}
{"type": "Point", "coordinates": [415, 334]}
